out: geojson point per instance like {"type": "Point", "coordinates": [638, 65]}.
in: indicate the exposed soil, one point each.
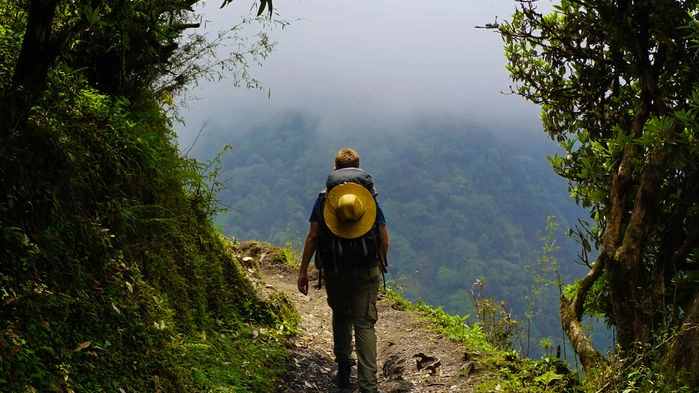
{"type": "Point", "coordinates": [411, 357]}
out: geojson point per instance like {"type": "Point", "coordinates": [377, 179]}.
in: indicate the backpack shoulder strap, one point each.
{"type": "Point", "coordinates": [322, 236]}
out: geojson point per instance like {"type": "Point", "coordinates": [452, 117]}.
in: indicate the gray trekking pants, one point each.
{"type": "Point", "coordinates": [352, 295]}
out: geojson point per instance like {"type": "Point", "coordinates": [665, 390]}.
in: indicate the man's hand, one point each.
{"type": "Point", "coordinates": [309, 247]}
{"type": "Point", "coordinates": [302, 283]}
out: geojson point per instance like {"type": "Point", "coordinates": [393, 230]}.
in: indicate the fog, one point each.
{"type": "Point", "coordinates": [382, 61]}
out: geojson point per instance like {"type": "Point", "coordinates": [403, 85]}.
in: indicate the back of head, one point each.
{"type": "Point", "coordinates": [346, 158]}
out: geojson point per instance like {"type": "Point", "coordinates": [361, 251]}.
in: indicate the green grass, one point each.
{"type": "Point", "coordinates": [238, 360]}
{"type": "Point", "coordinates": [501, 371]}
{"type": "Point", "coordinates": [451, 326]}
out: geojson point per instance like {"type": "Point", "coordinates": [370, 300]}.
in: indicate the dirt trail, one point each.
{"type": "Point", "coordinates": [411, 358]}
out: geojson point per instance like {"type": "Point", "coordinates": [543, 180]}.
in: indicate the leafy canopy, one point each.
{"type": "Point", "coordinates": [617, 84]}
{"type": "Point", "coordinates": [112, 276]}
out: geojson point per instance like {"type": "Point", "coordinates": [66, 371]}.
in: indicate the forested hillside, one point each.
{"type": "Point", "coordinates": [462, 201]}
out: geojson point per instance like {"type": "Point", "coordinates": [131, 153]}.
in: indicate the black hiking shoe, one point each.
{"type": "Point", "coordinates": [342, 375]}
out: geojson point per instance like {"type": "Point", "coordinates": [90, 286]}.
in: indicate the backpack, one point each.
{"type": "Point", "coordinates": [333, 252]}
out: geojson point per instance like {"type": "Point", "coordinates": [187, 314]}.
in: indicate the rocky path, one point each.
{"type": "Point", "coordinates": [411, 358]}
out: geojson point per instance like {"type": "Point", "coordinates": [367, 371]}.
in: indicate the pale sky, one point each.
{"type": "Point", "coordinates": [378, 59]}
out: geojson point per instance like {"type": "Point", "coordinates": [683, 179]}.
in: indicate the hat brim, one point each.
{"type": "Point", "coordinates": [354, 229]}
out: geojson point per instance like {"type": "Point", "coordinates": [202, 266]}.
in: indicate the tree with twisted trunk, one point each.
{"type": "Point", "coordinates": [618, 85]}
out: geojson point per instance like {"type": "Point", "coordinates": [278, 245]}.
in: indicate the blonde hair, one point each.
{"type": "Point", "coordinates": [346, 158]}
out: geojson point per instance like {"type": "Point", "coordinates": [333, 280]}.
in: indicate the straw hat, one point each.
{"type": "Point", "coordinates": [350, 210]}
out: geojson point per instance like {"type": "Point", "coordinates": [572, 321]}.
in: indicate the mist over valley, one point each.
{"type": "Point", "coordinates": [462, 201]}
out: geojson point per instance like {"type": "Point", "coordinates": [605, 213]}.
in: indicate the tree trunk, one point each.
{"type": "Point", "coordinates": [684, 351]}
{"type": "Point", "coordinates": [618, 271]}
{"type": "Point", "coordinates": [35, 58]}
{"type": "Point", "coordinates": [590, 358]}
{"type": "Point", "coordinates": [625, 236]}
{"type": "Point", "coordinates": [571, 314]}
{"type": "Point", "coordinates": [36, 54]}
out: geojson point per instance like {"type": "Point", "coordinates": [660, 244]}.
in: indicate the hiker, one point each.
{"type": "Point", "coordinates": [349, 211]}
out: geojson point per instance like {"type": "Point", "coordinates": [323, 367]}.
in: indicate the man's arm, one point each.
{"type": "Point", "coordinates": [384, 238]}
{"type": "Point", "coordinates": [383, 247]}
{"type": "Point", "coordinates": [309, 247]}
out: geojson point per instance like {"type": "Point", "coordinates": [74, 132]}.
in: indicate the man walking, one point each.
{"type": "Point", "coordinates": [348, 234]}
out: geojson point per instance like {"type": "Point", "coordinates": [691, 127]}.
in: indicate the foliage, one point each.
{"type": "Point", "coordinates": [499, 370]}
{"type": "Point", "coordinates": [237, 359]}
{"type": "Point", "coordinates": [452, 326]}
{"type": "Point", "coordinates": [293, 245]}
{"type": "Point", "coordinates": [494, 317]}
{"type": "Point", "coordinates": [636, 374]}
{"type": "Point", "coordinates": [547, 273]}
{"type": "Point", "coordinates": [616, 81]}
{"type": "Point", "coordinates": [511, 374]}
{"type": "Point", "coordinates": [112, 275]}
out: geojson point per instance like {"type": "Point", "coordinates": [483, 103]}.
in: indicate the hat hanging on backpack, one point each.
{"type": "Point", "coordinates": [349, 211]}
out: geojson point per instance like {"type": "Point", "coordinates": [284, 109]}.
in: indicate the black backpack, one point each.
{"type": "Point", "coordinates": [333, 252]}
